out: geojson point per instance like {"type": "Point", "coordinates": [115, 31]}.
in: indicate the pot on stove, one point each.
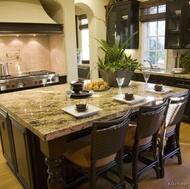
{"type": "Point", "coordinates": [4, 70]}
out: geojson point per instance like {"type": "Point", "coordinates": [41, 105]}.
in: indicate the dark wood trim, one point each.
{"type": "Point", "coordinates": [30, 28]}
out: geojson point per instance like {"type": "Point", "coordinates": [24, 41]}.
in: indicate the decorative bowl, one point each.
{"type": "Point", "coordinates": [77, 86]}
{"type": "Point", "coordinates": [128, 96]}
{"type": "Point", "coordinates": [81, 107]}
{"type": "Point", "coordinates": [158, 87]}
{"type": "Point", "coordinates": [178, 70]}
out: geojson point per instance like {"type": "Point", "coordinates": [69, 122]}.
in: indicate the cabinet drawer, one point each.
{"type": "Point", "coordinates": [166, 80]}
{"type": "Point", "coordinates": [139, 77]}
{"type": "Point", "coordinates": [183, 83]}
{"type": "Point", "coordinates": [153, 79]}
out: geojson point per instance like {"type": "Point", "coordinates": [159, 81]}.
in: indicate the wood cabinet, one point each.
{"type": "Point", "coordinates": [177, 33]}
{"type": "Point", "coordinates": [21, 149]}
{"type": "Point", "coordinates": [169, 81]}
{"type": "Point", "coordinates": [23, 168]}
{"type": "Point", "coordinates": [139, 77]}
{"type": "Point", "coordinates": [6, 140]}
{"type": "Point", "coordinates": [123, 19]}
{"type": "Point", "coordinates": [184, 83]}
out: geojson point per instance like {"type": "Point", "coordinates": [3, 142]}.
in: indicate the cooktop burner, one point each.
{"type": "Point", "coordinates": [28, 80]}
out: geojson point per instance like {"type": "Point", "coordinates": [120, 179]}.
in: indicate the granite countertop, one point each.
{"type": "Point", "coordinates": [39, 109]}
{"type": "Point", "coordinates": [168, 74]}
{"type": "Point", "coordinates": [83, 65]}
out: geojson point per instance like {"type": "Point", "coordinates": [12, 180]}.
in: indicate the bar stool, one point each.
{"type": "Point", "coordinates": [140, 138]}
{"type": "Point", "coordinates": [169, 145]}
{"type": "Point", "coordinates": [104, 152]}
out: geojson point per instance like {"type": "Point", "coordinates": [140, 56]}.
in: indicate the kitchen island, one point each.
{"type": "Point", "coordinates": [35, 122]}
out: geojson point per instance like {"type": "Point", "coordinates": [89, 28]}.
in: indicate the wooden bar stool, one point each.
{"type": "Point", "coordinates": [103, 152]}
{"type": "Point", "coordinates": [169, 145]}
{"type": "Point", "coordinates": [140, 138]}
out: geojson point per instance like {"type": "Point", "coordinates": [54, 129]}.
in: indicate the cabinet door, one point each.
{"type": "Point", "coordinates": [184, 83]}
{"type": "Point", "coordinates": [123, 23]}
{"type": "Point", "coordinates": [139, 77]}
{"type": "Point", "coordinates": [7, 145]}
{"type": "Point", "coordinates": [174, 24]}
{"type": "Point", "coordinates": [111, 17]}
{"type": "Point", "coordinates": [123, 19]}
{"type": "Point", "coordinates": [187, 24]}
{"type": "Point", "coordinates": [22, 153]}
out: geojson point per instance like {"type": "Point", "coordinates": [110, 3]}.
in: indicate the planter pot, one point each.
{"type": "Point", "coordinates": [110, 77]}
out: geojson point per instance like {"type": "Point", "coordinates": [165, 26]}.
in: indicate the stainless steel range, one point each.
{"type": "Point", "coordinates": [28, 80]}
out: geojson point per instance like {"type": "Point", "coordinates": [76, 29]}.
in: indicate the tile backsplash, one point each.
{"type": "Point", "coordinates": [31, 53]}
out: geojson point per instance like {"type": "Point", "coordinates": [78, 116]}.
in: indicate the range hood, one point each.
{"type": "Point", "coordinates": [26, 17]}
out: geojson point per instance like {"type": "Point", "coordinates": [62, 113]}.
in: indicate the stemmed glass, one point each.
{"type": "Point", "coordinates": [146, 75]}
{"type": "Point", "coordinates": [120, 81]}
{"type": "Point", "coordinates": [68, 94]}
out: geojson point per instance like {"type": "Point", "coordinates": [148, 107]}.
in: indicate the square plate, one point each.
{"type": "Point", "coordinates": [163, 91]}
{"type": "Point", "coordinates": [135, 100]}
{"type": "Point", "coordinates": [90, 111]}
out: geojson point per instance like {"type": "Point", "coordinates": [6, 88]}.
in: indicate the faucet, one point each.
{"type": "Point", "coordinates": [151, 67]}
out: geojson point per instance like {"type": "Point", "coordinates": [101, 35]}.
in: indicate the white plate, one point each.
{"type": "Point", "coordinates": [90, 111]}
{"type": "Point", "coordinates": [178, 70]}
{"type": "Point", "coordinates": [163, 91]}
{"type": "Point", "coordinates": [135, 100]}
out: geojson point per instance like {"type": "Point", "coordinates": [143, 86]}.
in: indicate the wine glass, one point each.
{"type": "Point", "coordinates": [120, 81]}
{"type": "Point", "coordinates": [146, 75]}
{"type": "Point", "coordinates": [68, 94]}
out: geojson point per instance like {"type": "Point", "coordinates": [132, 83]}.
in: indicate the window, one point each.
{"type": "Point", "coordinates": [84, 37]}
{"type": "Point", "coordinates": [152, 17]}
{"type": "Point", "coordinates": [85, 44]}
{"type": "Point", "coordinates": [153, 44]}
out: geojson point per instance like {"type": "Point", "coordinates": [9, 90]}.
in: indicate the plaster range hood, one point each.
{"type": "Point", "coordinates": [26, 17]}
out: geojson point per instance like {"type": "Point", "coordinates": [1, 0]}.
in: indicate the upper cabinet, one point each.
{"type": "Point", "coordinates": [177, 34]}
{"type": "Point", "coordinates": [123, 19]}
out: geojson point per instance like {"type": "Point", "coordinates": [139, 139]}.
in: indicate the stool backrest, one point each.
{"type": "Point", "coordinates": [108, 136]}
{"type": "Point", "coordinates": [150, 119]}
{"type": "Point", "coordinates": [176, 109]}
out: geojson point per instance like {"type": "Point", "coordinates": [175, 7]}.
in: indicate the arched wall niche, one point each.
{"type": "Point", "coordinates": [95, 12]}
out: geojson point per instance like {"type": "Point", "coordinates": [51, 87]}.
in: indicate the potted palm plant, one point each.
{"type": "Point", "coordinates": [116, 63]}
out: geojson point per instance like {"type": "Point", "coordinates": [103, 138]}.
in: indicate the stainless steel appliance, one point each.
{"type": "Point", "coordinates": [28, 80]}
{"type": "Point", "coordinates": [4, 71]}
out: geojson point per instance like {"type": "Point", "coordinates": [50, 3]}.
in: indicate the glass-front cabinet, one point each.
{"type": "Point", "coordinates": [177, 34]}
{"type": "Point", "coordinates": [187, 24]}
{"type": "Point", "coordinates": [123, 19]}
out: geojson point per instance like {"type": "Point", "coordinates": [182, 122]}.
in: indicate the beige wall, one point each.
{"type": "Point", "coordinates": [36, 53]}
{"type": "Point", "coordinates": [23, 11]}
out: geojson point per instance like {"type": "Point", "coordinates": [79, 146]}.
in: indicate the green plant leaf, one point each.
{"type": "Point", "coordinates": [115, 57]}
